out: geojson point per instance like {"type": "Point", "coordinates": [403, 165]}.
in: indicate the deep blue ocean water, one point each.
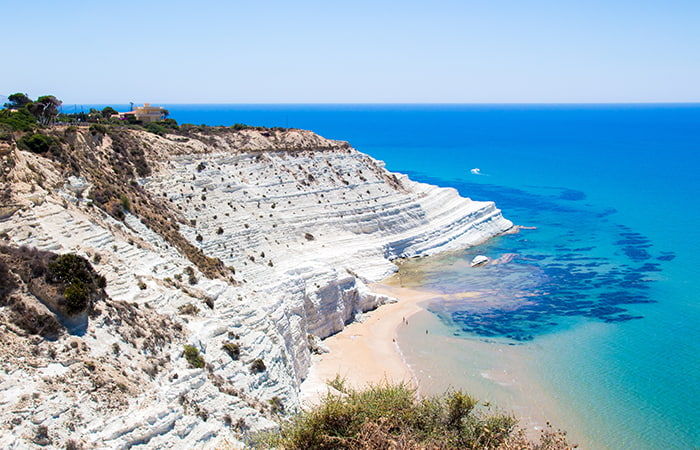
{"type": "Point", "coordinates": [612, 191]}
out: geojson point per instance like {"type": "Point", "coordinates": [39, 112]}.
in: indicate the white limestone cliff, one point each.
{"type": "Point", "coordinates": [304, 222]}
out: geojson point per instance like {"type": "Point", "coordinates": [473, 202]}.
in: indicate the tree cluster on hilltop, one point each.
{"type": "Point", "coordinates": [22, 115]}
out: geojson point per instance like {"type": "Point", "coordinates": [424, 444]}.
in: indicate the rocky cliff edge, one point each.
{"type": "Point", "coordinates": [247, 245]}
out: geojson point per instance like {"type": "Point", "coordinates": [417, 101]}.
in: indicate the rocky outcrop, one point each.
{"type": "Point", "coordinates": [262, 239]}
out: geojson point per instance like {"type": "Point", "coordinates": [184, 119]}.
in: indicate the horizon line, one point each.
{"type": "Point", "coordinates": [399, 103]}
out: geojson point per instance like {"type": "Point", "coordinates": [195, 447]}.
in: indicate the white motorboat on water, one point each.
{"type": "Point", "coordinates": [479, 260]}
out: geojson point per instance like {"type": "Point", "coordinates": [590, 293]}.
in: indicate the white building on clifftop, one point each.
{"type": "Point", "coordinates": [145, 113]}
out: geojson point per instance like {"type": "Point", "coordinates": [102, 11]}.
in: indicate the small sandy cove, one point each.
{"type": "Point", "coordinates": [366, 352]}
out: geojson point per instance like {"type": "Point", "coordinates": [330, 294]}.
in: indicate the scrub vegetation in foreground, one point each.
{"type": "Point", "coordinates": [391, 416]}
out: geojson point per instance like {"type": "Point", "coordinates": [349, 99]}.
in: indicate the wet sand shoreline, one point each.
{"type": "Point", "coordinates": [366, 352]}
{"type": "Point", "coordinates": [404, 342]}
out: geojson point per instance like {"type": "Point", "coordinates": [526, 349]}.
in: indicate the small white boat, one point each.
{"type": "Point", "coordinates": [479, 260]}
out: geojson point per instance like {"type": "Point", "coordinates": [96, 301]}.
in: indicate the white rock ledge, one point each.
{"type": "Point", "coordinates": [304, 228]}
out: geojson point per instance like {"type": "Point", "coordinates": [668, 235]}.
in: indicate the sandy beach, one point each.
{"type": "Point", "coordinates": [366, 352]}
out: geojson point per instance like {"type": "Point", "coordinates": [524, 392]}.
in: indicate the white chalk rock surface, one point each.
{"type": "Point", "coordinates": [304, 222]}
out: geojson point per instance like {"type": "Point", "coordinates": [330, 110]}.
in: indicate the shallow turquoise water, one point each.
{"type": "Point", "coordinates": [602, 299]}
{"type": "Point", "coordinates": [612, 193]}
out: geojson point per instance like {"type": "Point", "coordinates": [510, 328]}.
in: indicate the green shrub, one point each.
{"type": "Point", "coordinates": [20, 120]}
{"type": "Point", "coordinates": [71, 267]}
{"type": "Point", "coordinates": [80, 279]}
{"type": "Point", "coordinates": [170, 123]}
{"type": "Point", "coordinates": [39, 143]}
{"type": "Point", "coordinates": [338, 383]}
{"type": "Point", "coordinates": [156, 128]}
{"type": "Point", "coordinates": [258, 366]}
{"type": "Point", "coordinates": [195, 360]}
{"type": "Point", "coordinates": [5, 132]}
{"type": "Point", "coordinates": [233, 350]}
{"type": "Point", "coordinates": [97, 128]}
{"type": "Point", "coordinates": [391, 416]}
{"type": "Point", "coordinates": [459, 405]}
{"type": "Point", "coordinates": [76, 297]}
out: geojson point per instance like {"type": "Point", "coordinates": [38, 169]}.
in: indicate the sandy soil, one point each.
{"type": "Point", "coordinates": [366, 352]}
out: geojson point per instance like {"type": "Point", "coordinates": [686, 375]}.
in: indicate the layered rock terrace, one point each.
{"type": "Point", "coordinates": [296, 225]}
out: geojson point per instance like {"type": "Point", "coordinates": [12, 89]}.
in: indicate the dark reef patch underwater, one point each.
{"type": "Point", "coordinates": [577, 264]}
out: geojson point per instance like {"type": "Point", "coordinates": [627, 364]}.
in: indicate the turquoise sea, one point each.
{"type": "Point", "coordinates": [599, 303]}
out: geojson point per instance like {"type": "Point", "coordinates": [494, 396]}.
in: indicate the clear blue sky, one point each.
{"type": "Point", "coordinates": [489, 51]}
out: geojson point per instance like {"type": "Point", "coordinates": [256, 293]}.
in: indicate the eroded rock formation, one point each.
{"type": "Point", "coordinates": [248, 245]}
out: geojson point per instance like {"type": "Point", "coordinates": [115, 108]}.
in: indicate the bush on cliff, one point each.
{"type": "Point", "coordinates": [79, 278]}
{"type": "Point", "coordinates": [258, 366]}
{"type": "Point", "coordinates": [67, 284]}
{"type": "Point", "coordinates": [97, 128]}
{"type": "Point", "coordinates": [76, 297]}
{"type": "Point", "coordinates": [193, 357]}
{"type": "Point", "coordinates": [39, 143]}
{"type": "Point", "coordinates": [156, 128]}
{"type": "Point", "coordinates": [6, 132]}
{"type": "Point", "coordinates": [20, 120]}
{"type": "Point", "coordinates": [170, 123]}
{"type": "Point", "coordinates": [390, 416]}
{"type": "Point", "coordinates": [233, 350]}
